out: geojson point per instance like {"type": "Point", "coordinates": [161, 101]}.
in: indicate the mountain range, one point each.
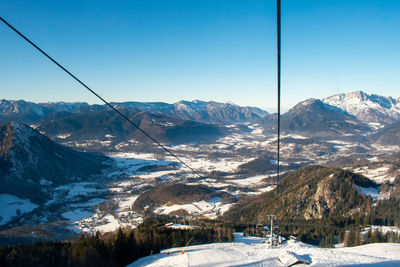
{"type": "Point", "coordinates": [201, 111]}
{"type": "Point", "coordinates": [352, 115]}
{"type": "Point", "coordinates": [110, 128]}
{"type": "Point", "coordinates": [366, 108]}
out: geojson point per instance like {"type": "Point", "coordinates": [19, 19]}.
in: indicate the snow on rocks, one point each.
{"type": "Point", "coordinates": [180, 226]}
{"type": "Point", "coordinates": [383, 229]}
{"type": "Point", "coordinates": [289, 258]}
{"type": "Point", "coordinates": [267, 189]}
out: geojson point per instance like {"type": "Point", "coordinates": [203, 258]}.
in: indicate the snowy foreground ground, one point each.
{"type": "Point", "coordinates": [251, 251]}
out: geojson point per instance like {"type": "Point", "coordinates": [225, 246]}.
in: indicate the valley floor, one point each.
{"type": "Point", "coordinates": [252, 251]}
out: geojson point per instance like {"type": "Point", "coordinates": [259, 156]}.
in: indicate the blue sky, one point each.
{"type": "Point", "coordinates": [221, 50]}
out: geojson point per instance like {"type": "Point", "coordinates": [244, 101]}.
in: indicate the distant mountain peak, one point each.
{"type": "Point", "coordinates": [367, 107]}
{"type": "Point", "coordinates": [307, 102]}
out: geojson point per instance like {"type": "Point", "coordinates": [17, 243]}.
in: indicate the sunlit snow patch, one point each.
{"type": "Point", "coordinates": [80, 189]}
{"type": "Point", "coordinates": [379, 175]}
{"type": "Point", "coordinates": [254, 180]}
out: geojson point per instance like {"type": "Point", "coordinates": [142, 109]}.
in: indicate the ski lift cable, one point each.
{"type": "Point", "coordinates": [102, 99]}
{"type": "Point", "coordinates": [278, 24]}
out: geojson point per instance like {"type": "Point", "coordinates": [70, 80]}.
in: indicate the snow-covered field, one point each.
{"type": "Point", "coordinates": [255, 180]}
{"type": "Point", "coordinates": [380, 175]}
{"type": "Point", "coordinates": [127, 188]}
{"type": "Point", "coordinates": [210, 209]}
{"type": "Point", "coordinates": [12, 206]}
{"type": "Point", "coordinates": [252, 251]}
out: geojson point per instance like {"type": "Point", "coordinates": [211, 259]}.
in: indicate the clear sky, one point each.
{"type": "Point", "coordinates": [221, 50]}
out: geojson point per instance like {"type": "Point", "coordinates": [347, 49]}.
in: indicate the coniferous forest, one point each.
{"type": "Point", "coordinates": [113, 249]}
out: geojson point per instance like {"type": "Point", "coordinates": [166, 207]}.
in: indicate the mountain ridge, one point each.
{"type": "Point", "coordinates": [29, 161]}
{"type": "Point", "coordinates": [202, 111]}
{"type": "Point", "coordinates": [312, 117]}
{"type": "Point", "coordinates": [367, 107]}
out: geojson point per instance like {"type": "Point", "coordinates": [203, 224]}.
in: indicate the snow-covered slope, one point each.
{"type": "Point", "coordinates": [251, 251]}
{"type": "Point", "coordinates": [367, 107]}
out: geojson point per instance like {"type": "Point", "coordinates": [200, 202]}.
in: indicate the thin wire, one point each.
{"type": "Point", "coordinates": [278, 23]}
{"type": "Point", "coordinates": [98, 96]}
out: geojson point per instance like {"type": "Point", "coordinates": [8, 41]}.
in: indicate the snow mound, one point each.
{"type": "Point", "coordinates": [253, 251]}
{"type": "Point", "coordinates": [290, 258]}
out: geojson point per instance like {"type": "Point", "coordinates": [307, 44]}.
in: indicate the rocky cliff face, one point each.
{"type": "Point", "coordinates": [324, 200]}
{"type": "Point", "coordinates": [312, 192]}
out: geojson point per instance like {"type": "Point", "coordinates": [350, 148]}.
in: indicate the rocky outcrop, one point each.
{"type": "Point", "coordinates": [312, 192]}
{"type": "Point", "coordinates": [323, 201]}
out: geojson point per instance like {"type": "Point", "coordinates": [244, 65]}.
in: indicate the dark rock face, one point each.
{"type": "Point", "coordinates": [29, 162]}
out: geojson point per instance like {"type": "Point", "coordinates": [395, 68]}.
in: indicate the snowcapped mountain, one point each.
{"type": "Point", "coordinates": [29, 112]}
{"type": "Point", "coordinates": [200, 111]}
{"type": "Point", "coordinates": [350, 114]}
{"type": "Point", "coordinates": [20, 110]}
{"type": "Point", "coordinates": [313, 117]}
{"type": "Point", "coordinates": [367, 107]}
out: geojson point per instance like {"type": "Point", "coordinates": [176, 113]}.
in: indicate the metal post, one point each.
{"type": "Point", "coordinates": [272, 232]}
{"type": "Point", "coordinates": [272, 218]}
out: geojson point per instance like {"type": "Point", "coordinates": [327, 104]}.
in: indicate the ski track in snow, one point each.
{"type": "Point", "coordinates": [251, 251]}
